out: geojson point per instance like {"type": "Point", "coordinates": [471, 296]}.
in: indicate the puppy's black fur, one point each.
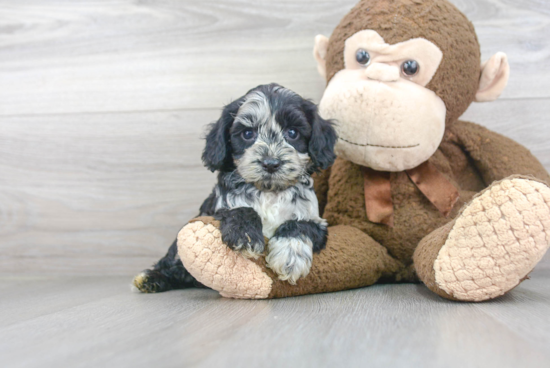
{"type": "Point", "coordinates": [323, 138]}
{"type": "Point", "coordinates": [241, 227]}
{"type": "Point", "coordinates": [217, 154]}
{"type": "Point", "coordinates": [309, 229]}
{"type": "Point", "coordinates": [167, 274]}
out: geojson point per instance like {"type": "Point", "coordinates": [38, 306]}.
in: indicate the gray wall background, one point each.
{"type": "Point", "coordinates": [102, 106]}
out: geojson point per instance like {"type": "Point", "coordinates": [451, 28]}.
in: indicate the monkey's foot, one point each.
{"type": "Point", "coordinates": [213, 264]}
{"type": "Point", "coordinates": [492, 245]}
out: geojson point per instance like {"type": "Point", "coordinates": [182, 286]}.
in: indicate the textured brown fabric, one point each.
{"type": "Point", "coordinates": [351, 259]}
{"type": "Point", "coordinates": [378, 202]}
{"type": "Point", "coordinates": [438, 21]}
{"type": "Point", "coordinates": [435, 187]}
{"type": "Point", "coordinates": [426, 254]}
{"type": "Point", "coordinates": [495, 156]}
{"type": "Point", "coordinates": [414, 215]}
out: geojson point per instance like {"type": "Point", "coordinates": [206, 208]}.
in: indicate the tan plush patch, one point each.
{"type": "Point", "coordinates": [392, 126]}
{"type": "Point", "coordinates": [385, 120]}
{"type": "Point", "coordinates": [495, 73]}
{"type": "Point", "coordinates": [496, 241]}
{"type": "Point", "coordinates": [426, 53]}
{"type": "Point", "coordinates": [213, 264]}
{"type": "Point", "coordinates": [320, 53]}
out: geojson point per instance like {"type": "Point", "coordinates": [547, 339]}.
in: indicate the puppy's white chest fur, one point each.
{"type": "Point", "coordinates": [297, 203]}
{"type": "Point", "coordinates": [276, 208]}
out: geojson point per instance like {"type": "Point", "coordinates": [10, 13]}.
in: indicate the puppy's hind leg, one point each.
{"type": "Point", "coordinates": [167, 274]}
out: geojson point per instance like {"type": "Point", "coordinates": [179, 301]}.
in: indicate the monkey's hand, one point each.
{"type": "Point", "coordinates": [241, 230]}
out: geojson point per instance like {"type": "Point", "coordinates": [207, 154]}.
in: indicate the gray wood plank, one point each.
{"type": "Point", "coordinates": [379, 326]}
{"type": "Point", "coordinates": [25, 298]}
{"type": "Point", "coordinates": [98, 193]}
{"type": "Point", "coordinates": [525, 311]}
{"type": "Point", "coordinates": [100, 56]}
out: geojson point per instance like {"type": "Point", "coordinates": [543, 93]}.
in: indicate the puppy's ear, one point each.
{"type": "Point", "coordinates": [217, 152]}
{"type": "Point", "coordinates": [323, 138]}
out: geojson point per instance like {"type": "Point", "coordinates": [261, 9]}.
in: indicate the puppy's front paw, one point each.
{"type": "Point", "coordinates": [290, 258]}
{"type": "Point", "coordinates": [247, 243]}
{"type": "Point", "coordinates": [241, 230]}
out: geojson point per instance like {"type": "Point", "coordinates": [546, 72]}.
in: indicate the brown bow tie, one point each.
{"type": "Point", "coordinates": [378, 202]}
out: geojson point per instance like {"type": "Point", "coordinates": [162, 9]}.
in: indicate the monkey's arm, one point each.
{"type": "Point", "coordinates": [495, 156]}
{"type": "Point", "coordinates": [320, 185]}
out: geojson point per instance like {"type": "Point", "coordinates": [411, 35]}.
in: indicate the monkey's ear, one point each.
{"type": "Point", "coordinates": [320, 54]}
{"type": "Point", "coordinates": [217, 152]}
{"type": "Point", "coordinates": [494, 78]}
{"type": "Point", "coordinates": [323, 138]}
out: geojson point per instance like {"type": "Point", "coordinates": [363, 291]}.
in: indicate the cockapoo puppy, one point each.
{"type": "Point", "coordinates": [265, 146]}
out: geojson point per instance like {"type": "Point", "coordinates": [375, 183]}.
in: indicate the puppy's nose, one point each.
{"type": "Point", "coordinates": [271, 164]}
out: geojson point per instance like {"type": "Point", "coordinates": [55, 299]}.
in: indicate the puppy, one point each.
{"type": "Point", "coordinates": [265, 146]}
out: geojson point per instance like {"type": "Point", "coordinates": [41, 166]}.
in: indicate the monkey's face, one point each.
{"type": "Point", "coordinates": [385, 117]}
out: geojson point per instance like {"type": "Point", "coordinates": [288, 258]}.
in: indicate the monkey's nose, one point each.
{"type": "Point", "coordinates": [271, 164]}
{"type": "Point", "coordinates": [382, 72]}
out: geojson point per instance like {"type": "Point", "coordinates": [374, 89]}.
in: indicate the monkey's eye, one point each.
{"type": "Point", "coordinates": [410, 67]}
{"type": "Point", "coordinates": [362, 57]}
{"type": "Point", "coordinates": [292, 134]}
{"type": "Point", "coordinates": [248, 134]}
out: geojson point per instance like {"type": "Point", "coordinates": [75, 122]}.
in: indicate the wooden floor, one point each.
{"type": "Point", "coordinates": [97, 322]}
{"type": "Point", "coordinates": [102, 107]}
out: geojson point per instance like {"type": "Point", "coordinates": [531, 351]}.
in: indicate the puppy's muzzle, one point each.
{"type": "Point", "coordinates": [271, 165]}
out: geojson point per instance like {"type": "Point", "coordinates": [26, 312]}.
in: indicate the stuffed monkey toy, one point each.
{"type": "Point", "coordinates": [415, 194]}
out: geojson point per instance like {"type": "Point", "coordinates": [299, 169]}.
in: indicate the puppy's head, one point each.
{"type": "Point", "coordinates": [272, 137]}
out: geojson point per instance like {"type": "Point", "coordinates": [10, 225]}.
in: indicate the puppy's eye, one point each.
{"type": "Point", "coordinates": [410, 67]}
{"type": "Point", "coordinates": [362, 57]}
{"type": "Point", "coordinates": [292, 134]}
{"type": "Point", "coordinates": [248, 135]}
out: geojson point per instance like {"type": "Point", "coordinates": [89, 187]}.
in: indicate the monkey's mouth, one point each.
{"type": "Point", "coordinates": [376, 145]}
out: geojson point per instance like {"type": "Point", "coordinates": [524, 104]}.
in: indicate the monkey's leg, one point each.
{"type": "Point", "coordinates": [491, 246]}
{"type": "Point", "coordinates": [350, 260]}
